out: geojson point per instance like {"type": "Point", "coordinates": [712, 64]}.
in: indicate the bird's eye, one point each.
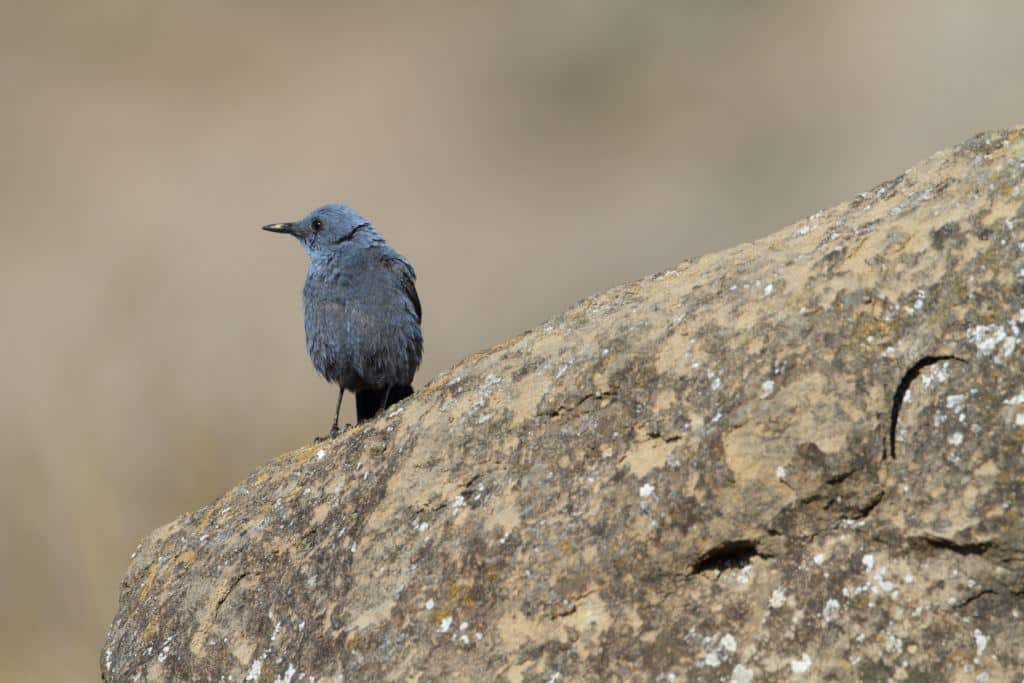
{"type": "Point", "coordinates": [317, 224]}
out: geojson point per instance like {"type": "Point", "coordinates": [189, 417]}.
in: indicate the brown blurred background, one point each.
{"type": "Point", "coordinates": [522, 155]}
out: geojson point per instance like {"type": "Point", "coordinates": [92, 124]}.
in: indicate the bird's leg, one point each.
{"type": "Point", "coordinates": [384, 399]}
{"type": "Point", "coordinates": [337, 411]}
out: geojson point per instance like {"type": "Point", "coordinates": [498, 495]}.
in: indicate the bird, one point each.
{"type": "Point", "coordinates": [362, 312]}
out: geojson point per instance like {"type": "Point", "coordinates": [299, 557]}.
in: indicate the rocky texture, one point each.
{"type": "Point", "coordinates": [688, 477]}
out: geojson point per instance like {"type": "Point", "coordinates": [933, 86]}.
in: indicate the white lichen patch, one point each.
{"type": "Point", "coordinates": [741, 674]}
{"type": "Point", "coordinates": [780, 472]}
{"type": "Point", "coordinates": [831, 610]}
{"type": "Point", "coordinates": [716, 649]}
{"type": "Point", "coordinates": [980, 641]}
{"type": "Point", "coordinates": [715, 378]}
{"type": "Point", "coordinates": [254, 670]}
{"type": "Point", "coordinates": [646, 490]}
{"type": "Point", "coordinates": [802, 665]}
{"type": "Point", "coordinates": [165, 650]}
{"type": "Point", "coordinates": [936, 374]}
{"type": "Point", "coordinates": [320, 454]}
{"type": "Point", "coordinates": [288, 674]}
{"type": "Point", "coordinates": [994, 340]}
{"type": "Point", "coordinates": [818, 559]}
{"type": "Point", "coordinates": [955, 439]}
{"type": "Point", "coordinates": [429, 604]}
{"type": "Point", "coordinates": [778, 598]}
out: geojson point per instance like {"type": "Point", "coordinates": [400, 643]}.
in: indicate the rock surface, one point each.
{"type": "Point", "coordinates": [685, 478]}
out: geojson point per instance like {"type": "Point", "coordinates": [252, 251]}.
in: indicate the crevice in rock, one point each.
{"type": "Point", "coordinates": [727, 555]}
{"type": "Point", "coordinates": [867, 507]}
{"type": "Point", "coordinates": [562, 408]}
{"type": "Point", "coordinates": [467, 487]}
{"type": "Point", "coordinates": [664, 439]}
{"type": "Point", "coordinates": [568, 606]}
{"type": "Point", "coordinates": [897, 400]}
{"type": "Point", "coordinates": [972, 598]}
{"type": "Point", "coordinates": [979, 548]}
{"type": "Point", "coordinates": [234, 584]}
{"type": "Point", "coordinates": [839, 478]}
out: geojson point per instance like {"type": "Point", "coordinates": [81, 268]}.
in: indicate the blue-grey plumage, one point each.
{"type": "Point", "coordinates": [361, 308]}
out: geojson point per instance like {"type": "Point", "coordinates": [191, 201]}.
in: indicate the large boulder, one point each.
{"type": "Point", "coordinates": [797, 457]}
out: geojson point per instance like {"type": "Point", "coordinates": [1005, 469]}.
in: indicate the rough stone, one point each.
{"type": "Point", "coordinates": [688, 477]}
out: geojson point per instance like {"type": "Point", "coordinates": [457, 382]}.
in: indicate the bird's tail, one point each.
{"type": "Point", "coordinates": [368, 401]}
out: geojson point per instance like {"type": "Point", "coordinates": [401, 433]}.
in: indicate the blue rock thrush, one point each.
{"type": "Point", "coordinates": [361, 308]}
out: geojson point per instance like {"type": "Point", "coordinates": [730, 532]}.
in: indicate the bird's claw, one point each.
{"type": "Point", "coordinates": [335, 432]}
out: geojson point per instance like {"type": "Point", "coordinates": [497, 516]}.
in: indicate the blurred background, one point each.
{"type": "Point", "coordinates": [522, 155]}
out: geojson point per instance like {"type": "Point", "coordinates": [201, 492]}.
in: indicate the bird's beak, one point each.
{"type": "Point", "coordinates": [288, 228]}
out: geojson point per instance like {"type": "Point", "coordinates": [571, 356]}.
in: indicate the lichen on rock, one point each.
{"type": "Point", "coordinates": [690, 477]}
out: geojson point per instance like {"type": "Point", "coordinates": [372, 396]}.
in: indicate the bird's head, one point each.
{"type": "Point", "coordinates": [333, 228]}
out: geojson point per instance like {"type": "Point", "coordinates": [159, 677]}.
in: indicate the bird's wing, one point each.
{"type": "Point", "coordinates": [407, 280]}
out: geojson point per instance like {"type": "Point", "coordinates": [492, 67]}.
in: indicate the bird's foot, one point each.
{"type": "Point", "coordinates": [335, 432]}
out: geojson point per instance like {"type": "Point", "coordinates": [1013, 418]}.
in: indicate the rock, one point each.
{"type": "Point", "coordinates": [685, 478]}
